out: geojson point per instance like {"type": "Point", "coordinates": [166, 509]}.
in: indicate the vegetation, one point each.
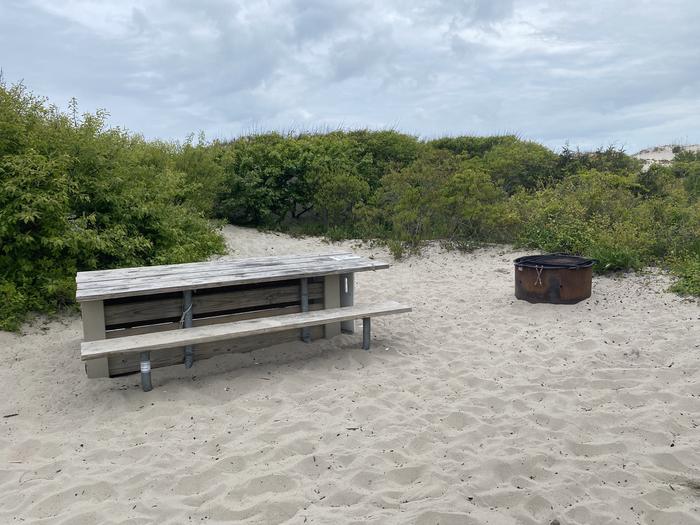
{"type": "Point", "coordinates": [75, 195]}
{"type": "Point", "coordinates": [466, 190]}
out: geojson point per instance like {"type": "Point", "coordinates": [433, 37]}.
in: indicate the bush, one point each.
{"type": "Point", "coordinates": [465, 191]}
{"type": "Point", "coordinates": [590, 214]}
{"type": "Point", "coordinates": [688, 171]}
{"type": "Point", "coordinates": [474, 208]}
{"type": "Point", "coordinates": [264, 181]}
{"type": "Point", "coordinates": [274, 180]}
{"type": "Point", "coordinates": [688, 272]}
{"type": "Point", "coordinates": [520, 165]}
{"type": "Point", "coordinates": [682, 156]}
{"type": "Point", "coordinates": [469, 147]}
{"type": "Point", "coordinates": [204, 165]}
{"type": "Point", "coordinates": [76, 196]}
{"type": "Point", "coordinates": [407, 206]}
{"type": "Point", "coordinates": [611, 160]}
{"type": "Point", "coordinates": [439, 197]}
{"type": "Point", "coordinates": [376, 153]}
{"type": "Point", "coordinates": [654, 181]}
{"type": "Point", "coordinates": [336, 196]}
{"type": "Point", "coordinates": [397, 249]}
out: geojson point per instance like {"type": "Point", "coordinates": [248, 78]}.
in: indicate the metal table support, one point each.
{"type": "Point", "coordinates": [366, 329]}
{"type": "Point", "coordinates": [305, 332]}
{"type": "Point", "coordinates": [146, 372]}
{"type": "Point", "coordinates": [186, 322]}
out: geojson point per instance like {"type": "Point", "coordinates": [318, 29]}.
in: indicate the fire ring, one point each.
{"type": "Point", "coordinates": [555, 278]}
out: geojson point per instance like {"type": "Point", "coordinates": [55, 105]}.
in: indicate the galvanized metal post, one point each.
{"type": "Point", "coordinates": [347, 298]}
{"type": "Point", "coordinates": [146, 372]}
{"type": "Point", "coordinates": [187, 323]}
{"type": "Point", "coordinates": [305, 333]}
{"type": "Point", "coordinates": [366, 328]}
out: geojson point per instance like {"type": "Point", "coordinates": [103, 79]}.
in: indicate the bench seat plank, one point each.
{"type": "Point", "coordinates": [127, 282]}
{"type": "Point", "coordinates": [220, 332]}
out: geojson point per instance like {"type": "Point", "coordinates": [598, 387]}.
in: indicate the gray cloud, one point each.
{"type": "Point", "coordinates": [591, 73]}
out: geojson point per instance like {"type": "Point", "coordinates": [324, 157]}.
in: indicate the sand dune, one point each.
{"type": "Point", "coordinates": [663, 154]}
{"type": "Point", "coordinates": [474, 409]}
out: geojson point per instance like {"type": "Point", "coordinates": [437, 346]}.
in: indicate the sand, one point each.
{"type": "Point", "coordinates": [663, 155]}
{"type": "Point", "coordinates": [474, 409]}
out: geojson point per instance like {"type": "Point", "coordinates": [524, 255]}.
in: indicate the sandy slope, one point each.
{"type": "Point", "coordinates": [474, 409]}
{"type": "Point", "coordinates": [662, 154]}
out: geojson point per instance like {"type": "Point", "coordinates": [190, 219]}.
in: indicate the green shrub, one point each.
{"type": "Point", "coordinates": [469, 147]}
{"type": "Point", "coordinates": [376, 153]}
{"type": "Point", "coordinates": [468, 190]}
{"type": "Point", "coordinates": [654, 181]}
{"type": "Point", "coordinates": [688, 171]}
{"type": "Point", "coordinates": [687, 270]}
{"type": "Point", "coordinates": [593, 214]}
{"type": "Point", "coordinates": [611, 160]}
{"type": "Point", "coordinates": [397, 249]}
{"type": "Point", "coordinates": [552, 224]}
{"type": "Point", "coordinates": [264, 180]}
{"type": "Point", "coordinates": [76, 196]}
{"type": "Point", "coordinates": [474, 208]}
{"type": "Point", "coordinates": [683, 156]}
{"type": "Point", "coordinates": [619, 246]}
{"type": "Point", "coordinates": [520, 165]}
{"type": "Point", "coordinates": [204, 165]}
{"type": "Point", "coordinates": [13, 306]}
{"type": "Point", "coordinates": [273, 180]}
{"type": "Point", "coordinates": [336, 196]}
{"type": "Point", "coordinates": [408, 203]}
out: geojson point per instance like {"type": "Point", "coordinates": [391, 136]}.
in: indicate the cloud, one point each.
{"type": "Point", "coordinates": [591, 73]}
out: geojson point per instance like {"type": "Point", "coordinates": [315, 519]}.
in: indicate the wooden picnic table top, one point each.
{"type": "Point", "coordinates": [127, 282]}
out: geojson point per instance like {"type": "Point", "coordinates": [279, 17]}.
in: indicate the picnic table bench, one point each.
{"type": "Point", "coordinates": [136, 319]}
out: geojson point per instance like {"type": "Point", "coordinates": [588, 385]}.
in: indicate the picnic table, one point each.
{"type": "Point", "coordinates": [135, 319]}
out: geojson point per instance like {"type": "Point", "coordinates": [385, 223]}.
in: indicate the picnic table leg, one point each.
{"type": "Point", "coordinates": [146, 372]}
{"type": "Point", "coordinates": [331, 299]}
{"type": "Point", "coordinates": [187, 323]}
{"type": "Point", "coordinates": [366, 328]}
{"type": "Point", "coordinates": [347, 298]}
{"type": "Point", "coordinates": [305, 333]}
{"type": "Point", "coordinates": [93, 314]}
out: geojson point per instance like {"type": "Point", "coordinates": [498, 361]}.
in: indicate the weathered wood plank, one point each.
{"type": "Point", "coordinates": [218, 264]}
{"type": "Point", "coordinates": [204, 321]}
{"type": "Point", "coordinates": [147, 286]}
{"type": "Point", "coordinates": [129, 363]}
{"type": "Point", "coordinates": [347, 298]}
{"type": "Point", "coordinates": [331, 299]}
{"type": "Point", "coordinates": [94, 330]}
{"type": "Point", "coordinates": [207, 303]}
{"type": "Point", "coordinates": [86, 280]}
{"type": "Point", "coordinates": [212, 333]}
{"type": "Point", "coordinates": [211, 276]}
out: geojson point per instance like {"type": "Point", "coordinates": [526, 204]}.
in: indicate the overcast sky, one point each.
{"type": "Point", "coordinates": [591, 72]}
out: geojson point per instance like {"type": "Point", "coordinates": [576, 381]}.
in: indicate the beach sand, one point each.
{"type": "Point", "coordinates": [476, 408]}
